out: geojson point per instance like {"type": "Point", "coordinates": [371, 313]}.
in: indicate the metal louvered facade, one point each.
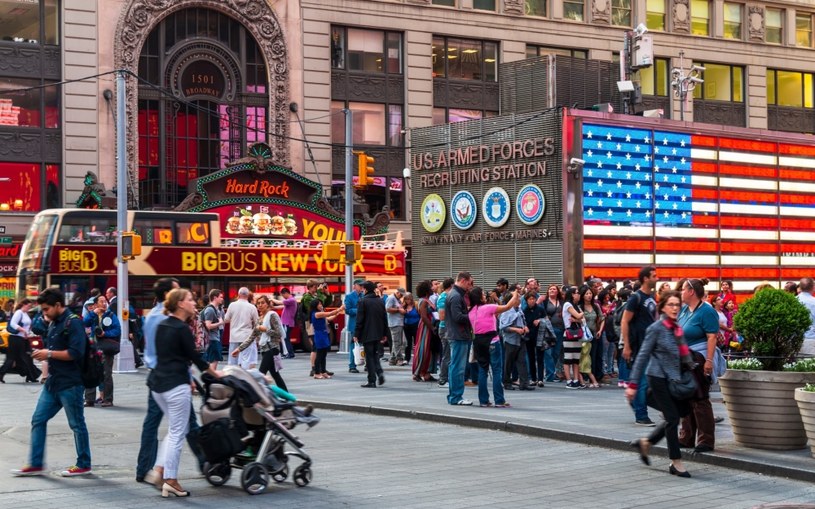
{"type": "Point", "coordinates": [551, 81]}
{"type": "Point", "coordinates": [526, 250]}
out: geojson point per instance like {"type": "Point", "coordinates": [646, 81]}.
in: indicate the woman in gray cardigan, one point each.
{"type": "Point", "coordinates": [662, 355]}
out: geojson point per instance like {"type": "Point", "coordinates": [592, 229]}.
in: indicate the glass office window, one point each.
{"type": "Point", "coordinates": [700, 17]}
{"type": "Point", "coordinates": [773, 26]}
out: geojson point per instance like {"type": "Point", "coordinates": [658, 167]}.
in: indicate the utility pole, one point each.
{"type": "Point", "coordinates": [347, 335]}
{"type": "Point", "coordinates": [125, 363]}
{"type": "Point", "coordinates": [683, 82]}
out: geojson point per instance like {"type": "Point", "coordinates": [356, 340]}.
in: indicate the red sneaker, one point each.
{"type": "Point", "coordinates": [75, 471]}
{"type": "Point", "coordinates": [28, 471]}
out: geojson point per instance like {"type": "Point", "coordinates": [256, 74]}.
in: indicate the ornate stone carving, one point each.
{"type": "Point", "coordinates": [515, 7]}
{"type": "Point", "coordinates": [20, 60]}
{"type": "Point", "coordinates": [681, 16]}
{"type": "Point", "coordinates": [601, 11]}
{"type": "Point", "coordinates": [719, 112]}
{"type": "Point", "coordinates": [140, 17]}
{"type": "Point", "coordinates": [755, 22]}
{"type": "Point", "coordinates": [796, 120]}
{"type": "Point", "coordinates": [19, 145]}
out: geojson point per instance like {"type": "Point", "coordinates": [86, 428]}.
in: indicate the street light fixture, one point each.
{"type": "Point", "coordinates": [683, 82]}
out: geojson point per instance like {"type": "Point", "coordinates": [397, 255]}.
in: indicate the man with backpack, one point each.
{"type": "Point", "coordinates": [65, 345]}
{"type": "Point", "coordinates": [213, 321]}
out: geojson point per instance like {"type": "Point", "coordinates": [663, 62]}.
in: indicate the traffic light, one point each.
{"type": "Point", "coordinates": [366, 169]}
{"type": "Point", "coordinates": [353, 251]}
{"type": "Point", "coordinates": [131, 245]}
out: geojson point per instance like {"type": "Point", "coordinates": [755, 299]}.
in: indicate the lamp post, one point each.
{"type": "Point", "coordinates": [683, 82]}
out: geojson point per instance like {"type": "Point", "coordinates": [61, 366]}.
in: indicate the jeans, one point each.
{"type": "Point", "coordinates": [177, 404]}
{"type": "Point", "coordinates": [149, 438]}
{"type": "Point", "coordinates": [445, 359]}
{"type": "Point", "coordinates": [48, 405]}
{"type": "Point", "coordinates": [622, 367]}
{"type": "Point", "coordinates": [289, 347]}
{"type": "Point", "coordinates": [639, 404]}
{"type": "Point", "coordinates": [489, 356]}
{"type": "Point", "coordinates": [459, 350]}
{"type": "Point", "coordinates": [551, 357]}
{"type": "Point", "coordinates": [610, 347]}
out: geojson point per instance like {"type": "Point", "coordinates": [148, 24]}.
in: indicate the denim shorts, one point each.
{"type": "Point", "coordinates": [213, 352]}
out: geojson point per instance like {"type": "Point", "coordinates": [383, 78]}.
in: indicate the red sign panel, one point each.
{"type": "Point", "coordinates": [188, 261]}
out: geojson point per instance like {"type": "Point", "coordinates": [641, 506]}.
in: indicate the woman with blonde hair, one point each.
{"type": "Point", "coordinates": [169, 384]}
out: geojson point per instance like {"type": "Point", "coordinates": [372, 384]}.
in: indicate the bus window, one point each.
{"type": "Point", "coordinates": [154, 232]}
{"type": "Point", "coordinates": [87, 230]}
{"type": "Point", "coordinates": [192, 233]}
{"type": "Point", "coordinates": [37, 241]}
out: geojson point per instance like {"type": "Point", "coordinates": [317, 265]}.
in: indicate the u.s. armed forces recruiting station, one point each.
{"type": "Point", "coordinates": [497, 162]}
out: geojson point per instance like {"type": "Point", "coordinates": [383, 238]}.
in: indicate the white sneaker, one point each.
{"type": "Point", "coordinates": [465, 402]}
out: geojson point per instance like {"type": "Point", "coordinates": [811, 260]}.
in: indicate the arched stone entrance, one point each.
{"type": "Point", "coordinates": [138, 20]}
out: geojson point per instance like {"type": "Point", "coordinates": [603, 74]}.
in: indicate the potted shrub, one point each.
{"type": "Point", "coordinates": [759, 393]}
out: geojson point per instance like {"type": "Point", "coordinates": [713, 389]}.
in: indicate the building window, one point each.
{"type": "Point", "coordinates": [621, 13]}
{"type": "Point", "coordinates": [700, 17]}
{"type": "Point", "coordinates": [655, 18]}
{"type": "Point", "coordinates": [464, 59]}
{"type": "Point", "coordinates": [573, 9]}
{"type": "Point", "coordinates": [452, 115]}
{"type": "Point", "coordinates": [535, 7]}
{"type": "Point", "coordinates": [31, 187]}
{"type": "Point", "coordinates": [732, 21]}
{"type": "Point", "coordinates": [484, 5]}
{"type": "Point", "coordinates": [654, 80]}
{"type": "Point", "coordinates": [449, 3]}
{"type": "Point", "coordinates": [773, 23]}
{"type": "Point", "coordinates": [29, 21]}
{"type": "Point", "coordinates": [29, 103]}
{"type": "Point", "coordinates": [533, 51]}
{"type": "Point", "coordinates": [373, 124]}
{"type": "Point", "coordinates": [803, 30]}
{"type": "Point", "coordinates": [722, 83]}
{"type": "Point", "coordinates": [374, 51]}
{"type": "Point", "coordinates": [790, 88]}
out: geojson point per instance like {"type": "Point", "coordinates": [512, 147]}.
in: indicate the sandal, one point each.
{"type": "Point", "coordinates": [503, 405]}
{"type": "Point", "coordinates": [318, 377]}
{"type": "Point", "coordinates": [487, 404]}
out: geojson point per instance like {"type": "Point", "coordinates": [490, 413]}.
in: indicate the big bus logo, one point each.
{"type": "Point", "coordinates": [74, 260]}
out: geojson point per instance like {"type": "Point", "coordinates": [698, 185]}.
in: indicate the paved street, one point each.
{"type": "Point", "coordinates": [363, 460]}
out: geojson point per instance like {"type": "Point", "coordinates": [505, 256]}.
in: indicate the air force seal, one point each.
{"type": "Point", "coordinates": [495, 207]}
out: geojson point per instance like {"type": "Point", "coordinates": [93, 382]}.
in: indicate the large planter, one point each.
{"type": "Point", "coordinates": [806, 406]}
{"type": "Point", "coordinates": [762, 410]}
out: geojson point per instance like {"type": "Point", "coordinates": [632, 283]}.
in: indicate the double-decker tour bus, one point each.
{"type": "Point", "coordinates": [75, 251]}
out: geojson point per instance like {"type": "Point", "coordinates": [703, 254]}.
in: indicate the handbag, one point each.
{"type": "Point", "coordinates": [574, 332]}
{"type": "Point", "coordinates": [108, 346]}
{"type": "Point", "coordinates": [684, 387]}
{"type": "Point", "coordinates": [587, 334]}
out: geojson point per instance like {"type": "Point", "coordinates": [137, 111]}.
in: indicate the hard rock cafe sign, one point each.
{"type": "Point", "coordinates": [258, 199]}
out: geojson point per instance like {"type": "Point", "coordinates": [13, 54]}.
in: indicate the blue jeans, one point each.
{"type": "Point", "coordinates": [497, 367]}
{"type": "Point", "coordinates": [149, 438]}
{"type": "Point", "coordinates": [622, 367]}
{"type": "Point", "coordinates": [551, 356]}
{"type": "Point", "coordinates": [639, 404]}
{"type": "Point", "coordinates": [49, 403]}
{"type": "Point", "coordinates": [459, 350]}
{"type": "Point", "coordinates": [610, 347]}
{"type": "Point", "coordinates": [290, 348]}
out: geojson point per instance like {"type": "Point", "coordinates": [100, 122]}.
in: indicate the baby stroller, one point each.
{"type": "Point", "coordinates": [241, 415]}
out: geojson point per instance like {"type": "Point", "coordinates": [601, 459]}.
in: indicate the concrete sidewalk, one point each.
{"type": "Point", "coordinates": [589, 416]}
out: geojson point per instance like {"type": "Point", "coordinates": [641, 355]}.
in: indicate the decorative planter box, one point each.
{"type": "Point", "coordinates": [762, 409]}
{"type": "Point", "coordinates": [806, 406]}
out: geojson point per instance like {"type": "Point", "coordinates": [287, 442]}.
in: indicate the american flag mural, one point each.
{"type": "Point", "coordinates": [697, 205]}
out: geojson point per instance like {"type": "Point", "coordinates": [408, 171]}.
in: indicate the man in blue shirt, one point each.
{"type": "Point", "coordinates": [65, 345]}
{"type": "Point", "coordinates": [351, 305]}
{"type": "Point", "coordinates": [149, 433]}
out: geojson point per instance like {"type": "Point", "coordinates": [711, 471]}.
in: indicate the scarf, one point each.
{"type": "Point", "coordinates": [685, 357]}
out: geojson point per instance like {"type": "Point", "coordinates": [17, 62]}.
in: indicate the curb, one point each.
{"type": "Point", "coordinates": [714, 459]}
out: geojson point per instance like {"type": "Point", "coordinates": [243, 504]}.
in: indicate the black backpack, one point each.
{"type": "Point", "coordinates": [92, 367]}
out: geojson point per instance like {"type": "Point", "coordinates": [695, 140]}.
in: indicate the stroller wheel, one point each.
{"type": "Point", "coordinates": [281, 474]}
{"type": "Point", "coordinates": [254, 478]}
{"type": "Point", "coordinates": [217, 474]}
{"type": "Point", "coordinates": [302, 476]}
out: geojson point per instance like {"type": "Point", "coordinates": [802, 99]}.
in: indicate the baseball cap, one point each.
{"type": "Point", "coordinates": [359, 281]}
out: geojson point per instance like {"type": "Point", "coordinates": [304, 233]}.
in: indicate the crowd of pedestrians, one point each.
{"type": "Point", "coordinates": [515, 336]}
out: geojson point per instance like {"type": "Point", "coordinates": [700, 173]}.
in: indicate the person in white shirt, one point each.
{"type": "Point", "coordinates": [242, 318]}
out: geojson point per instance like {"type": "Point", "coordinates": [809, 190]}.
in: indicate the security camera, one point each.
{"type": "Point", "coordinates": [641, 29]}
{"type": "Point", "coordinates": [576, 162]}
{"type": "Point", "coordinates": [406, 173]}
